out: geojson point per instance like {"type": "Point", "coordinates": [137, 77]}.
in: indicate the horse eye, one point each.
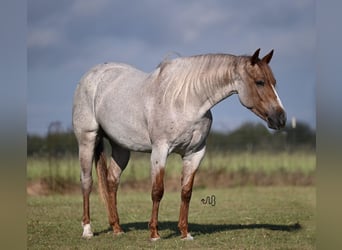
{"type": "Point", "coordinates": [260, 82]}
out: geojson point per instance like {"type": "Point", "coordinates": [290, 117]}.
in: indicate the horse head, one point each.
{"type": "Point", "coordinates": [257, 90]}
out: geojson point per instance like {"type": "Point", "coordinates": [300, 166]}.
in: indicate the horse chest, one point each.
{"type": "Point", "coordinates": [187, 141]}
{"type": "Point", "coordinates": [191, 137]}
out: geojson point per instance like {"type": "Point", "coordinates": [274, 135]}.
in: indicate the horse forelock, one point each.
{"type": "Point", "coordinates": [264, 69]}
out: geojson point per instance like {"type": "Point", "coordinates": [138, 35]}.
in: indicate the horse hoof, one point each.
{"type": "Point", "coordinates": [87, 233]}
{"type": "Point", "coordinates": [188, 237]}
{"type": "Point", "coordinates": [118, 233]}
{"type": "Point", "coordinates": [154, 239]}
{"type": "Point", "coordinates": [87, 236]}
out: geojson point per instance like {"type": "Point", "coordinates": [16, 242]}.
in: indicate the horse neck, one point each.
{"type": "Point", "coordinates": [222, 82]}
{"type": "Point", "coordinates": [200, 82]}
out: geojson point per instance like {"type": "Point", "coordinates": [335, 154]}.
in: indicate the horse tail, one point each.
{"type": "Point", "coordinates": [101, 171]}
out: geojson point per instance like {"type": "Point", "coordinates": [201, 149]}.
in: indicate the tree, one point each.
{"type": "Point", "coordinates": [301, 135]}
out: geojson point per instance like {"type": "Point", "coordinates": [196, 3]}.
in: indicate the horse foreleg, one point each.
{"type": "Point", "coordinates": [157, 195]}
{"type": "Point", "coordinates": [190, 165]}
{"type": "Point", "coordinates": [184, 208]}
{"type": "Point", "coordinates": [158, 160]}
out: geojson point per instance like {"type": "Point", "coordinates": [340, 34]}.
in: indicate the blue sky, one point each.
{"type": "Point", "coordinates": [67, 37]}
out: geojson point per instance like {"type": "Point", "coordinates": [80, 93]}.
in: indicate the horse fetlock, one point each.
{"type": "Point", "coordinates": [154, 230]}
{"type": "Point", "coordinates": [117, 230]}
{"type": "Point", "coordinates": [154, 235]}
{"type": "Point", "coordinates": [183, 229]}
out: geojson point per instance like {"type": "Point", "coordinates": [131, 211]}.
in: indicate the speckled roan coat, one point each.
{"type": "Point", "coordinates": [162, 112]}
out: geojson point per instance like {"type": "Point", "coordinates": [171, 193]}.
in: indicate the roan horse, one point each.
{"type": "Point", "coordinates": [162, 112]}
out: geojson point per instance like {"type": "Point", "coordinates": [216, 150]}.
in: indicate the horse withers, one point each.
{"type": "Point", "coordinates": [165, 111]}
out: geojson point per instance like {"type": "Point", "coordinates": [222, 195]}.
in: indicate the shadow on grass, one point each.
{"type": "Point", "coordinates": [198, 229]}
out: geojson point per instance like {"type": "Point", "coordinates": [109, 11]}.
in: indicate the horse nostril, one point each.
{"type": "Point", "coordinates": [283, 118]}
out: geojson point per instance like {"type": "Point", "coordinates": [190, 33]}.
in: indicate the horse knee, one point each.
{"type": "Point", "coordinates": [158, 186]}
{"type": "Point", "coordinates": [158, 189]}
{"type": "Point", "coordinates": [87, 183]}
{"type": "Point", "coordinates": [187, 183]}
{"type": "Point", "coordinates": [157, 193]}
{"type": "Point", "coordinates": [186, 193]}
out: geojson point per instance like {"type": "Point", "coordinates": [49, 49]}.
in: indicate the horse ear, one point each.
{"type": "Point", "coordinates": [268, 57]}
{"type": "Point", "coordinates": [255, 57]}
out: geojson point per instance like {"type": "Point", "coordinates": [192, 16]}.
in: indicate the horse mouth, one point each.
{"type": "Point", "coordinates": [276, 121]}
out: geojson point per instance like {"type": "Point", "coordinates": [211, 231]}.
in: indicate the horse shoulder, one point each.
{"type": "Point", "coordinates": [185, 135]}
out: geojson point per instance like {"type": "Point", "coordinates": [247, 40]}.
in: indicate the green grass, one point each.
{"type": "Point", "coordinates": [139, 166]}
{"type": "Point", "coordinates": [243, 218]}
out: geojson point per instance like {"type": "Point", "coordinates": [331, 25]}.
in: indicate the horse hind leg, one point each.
{"type": "Point", "coordinates": [86, 152]}
{"type": "Point", "coordinates": [109, 179]}
{"type": "Point", "coordinates": [118, 163]}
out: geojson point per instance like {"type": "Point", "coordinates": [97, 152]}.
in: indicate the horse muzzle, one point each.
{"type": "Point", "coordinates": [276, 120]}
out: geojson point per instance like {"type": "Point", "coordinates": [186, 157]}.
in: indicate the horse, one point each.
{"type": "Point", "coordinates": [162, 112]}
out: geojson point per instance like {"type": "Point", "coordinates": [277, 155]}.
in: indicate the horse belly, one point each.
{"type": "Point", "coordinates": [131, 141]}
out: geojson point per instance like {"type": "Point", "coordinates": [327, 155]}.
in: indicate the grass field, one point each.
{"type": "Point", "coordinates": [242, 218]}
{"type": "Point", "coordinates": [263, 201]}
